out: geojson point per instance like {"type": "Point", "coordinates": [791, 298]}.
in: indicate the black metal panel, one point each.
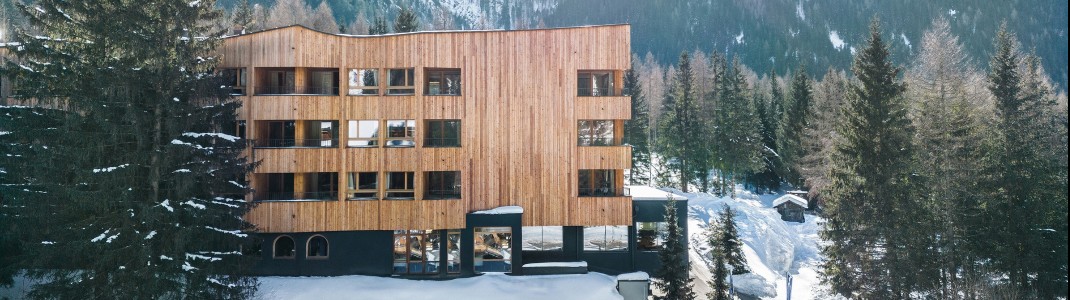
{"type": "Point", "coordinates": [349, 252]}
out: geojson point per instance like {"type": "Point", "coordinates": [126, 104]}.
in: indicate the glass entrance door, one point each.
{"type": "Point", "coordinates": [493, 249]}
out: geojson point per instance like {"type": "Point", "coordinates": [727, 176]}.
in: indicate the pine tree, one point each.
{"type": "Point", "coordinates": [680, 124]}
{"type": "Point", "coordinates": [766, 179]}
{"type": "Point", "coordinates": [243, 15]}
{"type": "Point", "coordinates": [323, 19]}
{"type": "Point", "coordinates": [829, 95]}
{"type": "Point", "coordinates": [794, 121]}
{"type": "Point", "coordinates": [719, 289]}
{"type": "Point", "coordinates": [1025, 197]}
{"type": "Point", "coordinates": [406, 21]}
{"type": "Point", "coordinates": [735, 132]}
{"type": "Point", "coordinates": [672, 277]}
{"type": "Point", "coordinates": [727, 239]}
{"type": "Point", "coordinates": [378, 26]}
{"type": "Point", "coordinates": [289, 12]}
{"type": "Point", "coordinates": [876, 246]}
{"type": "Point", "coordinates": [126, 187]}
{"type": "Point", "coordinates": [637, 130]}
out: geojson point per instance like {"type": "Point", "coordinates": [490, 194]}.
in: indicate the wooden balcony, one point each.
{"type": "Point", "coordinates": [604, 157]}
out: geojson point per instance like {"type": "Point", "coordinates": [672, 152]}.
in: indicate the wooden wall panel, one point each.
{"type": "Point", "coordinates": [518, 109]}
{"type": "Point", "coordinates": [297, 160]}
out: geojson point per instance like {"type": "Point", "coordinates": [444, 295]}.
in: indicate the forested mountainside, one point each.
{"type": "Point", "coordinates": [766, 34]}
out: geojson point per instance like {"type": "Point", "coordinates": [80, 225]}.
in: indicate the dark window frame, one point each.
{"type": "Point", "coordinates": [408, 78]}
{"type": "Point", "coordinates": [436, 133]}
{"type": "Point", "coordinates": [438, 179]}
{"type": "Point", "coordinates": [275, 248]}
{"type": "Point", "coordinates": [443, 88]}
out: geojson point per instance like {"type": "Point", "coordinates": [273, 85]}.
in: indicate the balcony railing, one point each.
{"type": "Point", "coordinates": [603, 192]}
{"type": "Point", "coordinates": [296, 90]}
{"type": "Point", "coordinates": [287, 196]}
{"type": "Point", "coordinates": [596, 92]}
{"type": "Point", "coordinates": [296, 143]}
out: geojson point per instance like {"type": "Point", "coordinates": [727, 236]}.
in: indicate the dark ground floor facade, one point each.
{"type": "Point", "coordinates": [488, 243]}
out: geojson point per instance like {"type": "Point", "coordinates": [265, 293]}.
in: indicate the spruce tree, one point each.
{"type": "Point", "coordinates": [673, 276]}
{"type": "Point", "coordinates": [406, 21]}
{"type": "Point", "coordinates": [243, 15]}
{"type": "Point", "coordinates": [766, 179]}
{"type": "Point", "coordinates": [795, 120]}
{"type": "Point", "coordinates": [719, 288]}
{"type": "Point", "coordinates": [679, 131]}
{"type": "Point", "coordinates": [124, 186]}
{"type": "Point", "coordinates": [876, 247]}
{"type": "Point", "coordinates": [378, 26]}
{"type": "Point", "coordinates": [1025, 194]}
{"type": "Point", "coordinates": [727, 239]}
{"type": "Point", "coordinates": [735, 132]}
{"type": "Point", "coordinates": [637, 130]}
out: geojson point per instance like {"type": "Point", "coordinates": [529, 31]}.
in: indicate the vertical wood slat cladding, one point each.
{"type": "Point", "coordinates": [518, 110]}
{"type": "Point", "coordinates": [298, 160]}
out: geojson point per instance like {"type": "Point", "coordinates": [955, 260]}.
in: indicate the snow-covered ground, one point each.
{"type": "Point", "coordinates": [775, 249]}
{"type": "Point", "coordinates": [496, 286]}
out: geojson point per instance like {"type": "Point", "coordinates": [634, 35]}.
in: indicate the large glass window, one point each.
{"type": "Point", "coordinates": [321, 82]}
{"type": "Point", "coordinates": [320, 186]}
{"type": "Point", "coordinates": [453, 251]}
{"type": "Point", "coordinates": [605, 238]}
{"type": "Point", "coordinates": [443, 185]}
{"type": "Point", "coordinates": [362, 186]}
{"type": "Point", "coordinates": [402, 82]}
{"type": "Point", "coordinates": [320, 134]}
{"type": "Point", "coordinates": [650, 236]}
{"type": "Point", "coordinates": [443, 133]}
{"type": "Point", "coordinates": [542, 238]}
{"type": "Point", "coordinates": [277, 81]}
{"type": "Point", "coordinates": [598, 183]}
{"type": "Point", "coordinates": [363, 82]}
{"type": "Point", "coordinates": [280, 186]}
{"type": "Point", "coordinates": [401, 133]}
{"type": "Point", "coordinates": [363, 133]}
{"type": "Point", "coordinates": [283, 247]}
{"type": "Point", "coordinates": [594, 83]}
{"type": "Point", "coordinates": [492, 248]}
{"type": "Point", "coordinates": [399, 185]}
{"type": "Point", "coordinates": [317, 247]}
{"type": "Point", "coordinates": [595, 133]}
{"type": "Point", "coordinates": [236, 80]}
{"type": "Point", "coordinates": [416, 251]}
{"type": "Point", "coordinates": [443, 81]}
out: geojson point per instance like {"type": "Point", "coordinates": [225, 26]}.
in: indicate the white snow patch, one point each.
{"type": "Point", "coordinates": [634, 276]}
{"type": "Point", "coordinates": [799, 11]}
{"type": "Point", "coordinates": [150, 235]}
{"type": "Point", "coordinates": [853, 50]}
{"type": "Point", "coordinates": [491, 286]}
{"type": "Point", "coordinates": [165, 257]}
{"type": "Point", "coordinates": [790, 198]}
{"type": "Point", "coordinates": [48, 243]}
{"type": "Point", "coordinates": [739, 38]}
{"type": "Point", "coordinates": [641, 192]}
{"type": "Point", "coordinates": [571, 264]}
{"type": "Point", "coordinates": [187, 267]}
{"type": "Point", "coordinates": [101, 236]}
{"type": "Point", "coordinates": [215, 134]}
{"type": "Point", "coordinates": [501, 210]}
{"type": "Point", "coordinates": [109, 169]}
{"type": "Point", "coordinates": [905, 40]}
{"type": "Point", "coordinates": [837, 42]}
{"type": "Point", "coordinates": [167, 204]}
{"type": "Point", "coordinates": [112, 238]}
{"type": "Point", "coordinates": [234, 232]}
{"type": "Point", "coordinates": [202, 257]}
{"type": "Point", "coordinates": [194, 204]}
{"type": "Point", "coordinates": [182, 171]}
{"type": "Point", "coordinates": [952, 12]}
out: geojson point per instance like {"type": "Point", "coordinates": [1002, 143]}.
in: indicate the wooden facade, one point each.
{"type": "Point", "coordinates": [518, 108]}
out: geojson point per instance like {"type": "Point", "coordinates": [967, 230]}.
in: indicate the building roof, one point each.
{"type": "Point", "coordinates": [642, 192]}
{"type": "Point", "coordinates": [790, 198]}
{"type": "Point", "coordinates": [421, 32]}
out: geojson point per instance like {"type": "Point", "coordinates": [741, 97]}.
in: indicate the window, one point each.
{"type": "Point", "coordinates": [598, 183]}
{"type": "Point", "coordinates": [236, 80]}
{"type": "Point", "coordinates": [595, 133]}
{"type": "Point", "coordinates": [317, 247]}
{"type": "Point", "coordinates": [443, 185]}
{"type": "Point", "coordinates": [542, 238]}
{"type": "Point", "coordinates": [278, 134]}
{"type": "Point", "coordinates": [280, 186]}
{"type": "Point", "coordinates": [605, 238]}
{"type": "Point", "coordinates": [650, 235]}
{"type": "Point", "coordinates": [414, 250]}
{"type": "Point", "coordinates": [492, 249]}
{"type": "Point", "coordinates": [402, 82]}
{"type": "Point", "coordinates": [453, 251]}
{"type": "Point", "coordinates": [277, 81]}
{"type": "Point", "coordinates": [363, 133]}
{"type": "Point", "coordinates": [594, 83]}
{"type": "Point", "coordinates": [363, 82]}
{"type": "Point", "coordinates": [320, 186]}
{"type": "Point", "coordinates": [443, 82]}
{"type": "Point", "coordinates": [443, 133]}
{"type": "Point", "coordinates": [399, 185]}
{"type": "Point", "coordinates": [401, 133]}
{"type": "Point", "coordinates": [321, 82]}
{"type": "Point", "coordinates": [362, 186]}
{"type": "Point", "coordinates": [320, 134]}
{"type": "Point", "coordinates": [283, 247]}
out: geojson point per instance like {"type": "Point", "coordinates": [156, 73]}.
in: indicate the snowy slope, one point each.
{"type": "Point", "coordinates": [774, 249]}
{"type": "Point", "coordinates": [493, 286]}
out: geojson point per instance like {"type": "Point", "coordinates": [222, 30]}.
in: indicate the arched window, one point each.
{"type": "Point", "coordinates": [317, 247]}
{"type": "Point", "coordinates": [284, 247]}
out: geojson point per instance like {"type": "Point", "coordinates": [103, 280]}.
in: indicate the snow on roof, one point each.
{"type": "Point", "coordinates": [792, 198]}
{"type": "Point", "coordinates": [642, 192]}
{"type": "Point", "coordinates": [569, 264]}
{"type": "Point", "coordinates": [501, 211]}
{"type": "Point", "coordinates": [425, 31]}
{"type": "Point", "coordinates": [634, 276]}
{"type": "Point", "coordinates": [797, 192]}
